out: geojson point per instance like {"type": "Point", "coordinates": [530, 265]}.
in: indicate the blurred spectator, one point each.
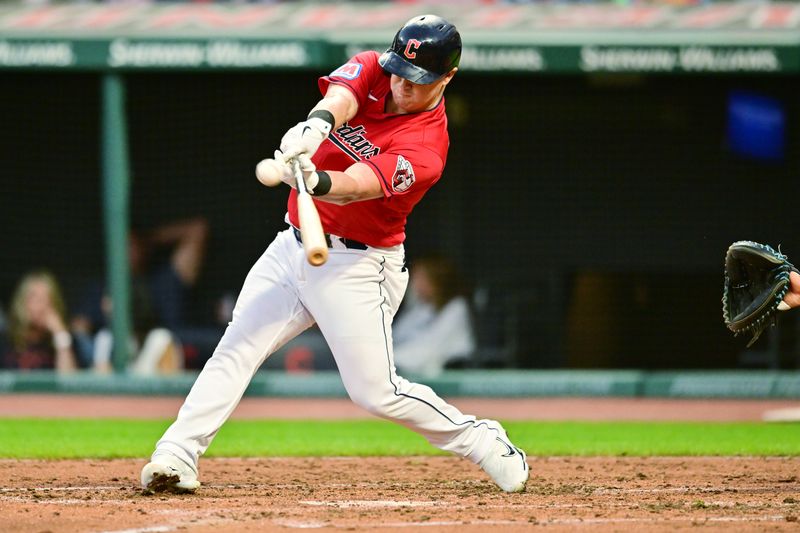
{"type": "Point", "coordinates": [434, 328]}
{"type": "Point", "coordinates": [308, 352]}
{"type": "Point", "coordinates": [38, 337]}
{"type": "Point", "coordinates": [2, 321]}
{"type": "Point", "coordinates": [4, 346]}
{"type": "Point", "coordinates": [165, 264]}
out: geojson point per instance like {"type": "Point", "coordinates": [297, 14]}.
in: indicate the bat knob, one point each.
{"type": "Point", "coordinates": [318, 257]}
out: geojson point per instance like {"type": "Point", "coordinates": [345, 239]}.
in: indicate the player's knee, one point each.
{"type": "Point", "coordinates": [376, 402]}
{"type": "Point", "coordinates": [365, 402]}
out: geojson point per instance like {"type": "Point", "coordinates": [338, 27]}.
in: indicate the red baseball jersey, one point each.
{"type": "Point", "coordinates": [407, 153]}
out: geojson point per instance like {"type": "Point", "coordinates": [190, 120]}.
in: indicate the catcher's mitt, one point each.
{"type": "Point", "coordinates": [756, 280]}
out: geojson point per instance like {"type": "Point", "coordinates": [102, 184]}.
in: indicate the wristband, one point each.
{"type": "Point", "coordinates": [323, 186]}
{"type": "Point", "coordinates": [325, 115]}
{"type": "Point", "coordinates": [62, 340]}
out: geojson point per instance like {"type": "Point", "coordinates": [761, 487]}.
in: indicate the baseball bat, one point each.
{"type": "Point", "coordinates": [310, 226]}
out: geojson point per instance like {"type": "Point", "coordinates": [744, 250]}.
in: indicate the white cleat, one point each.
{"type": "Point", "coordinates": [506, 465]}
{"type": "Point", "coordinates": [167, 473]}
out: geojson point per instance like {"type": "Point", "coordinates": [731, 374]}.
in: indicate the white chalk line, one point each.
{"type": "Point", "coordinates": [723, 519]}
{"type": "Point", "coordinates": [297, 524]}
{"type": "Point", "coordinates": [61, 501]}
{"type": "Point", "coordinates": [784, 487]}
{"type": "Point", "coordinates": [370, 504]}
{"type": "Point", "coordinates": [301, 524]}
{"type": "Point", "coordinates": [68, 488]}
{"type": "Point", "coordinates": [204, 485]}
{"type": "Point", "coordinates": [554, 521]}
{"type": "Point", "coordinates": [390, 504]}
{"type": "Point", "coordinates": [149, 529]}
{"type": "Point", "coordinates": [173, 526]}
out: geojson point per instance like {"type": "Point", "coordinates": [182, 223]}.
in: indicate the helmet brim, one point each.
{"type": "Point", "coordinates": [394, 64]}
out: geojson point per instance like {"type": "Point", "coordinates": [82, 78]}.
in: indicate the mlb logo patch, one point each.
{"type": "Point", "coordinates": [348, 71]}
{"type": "Point", "coordinates": [403, 177]}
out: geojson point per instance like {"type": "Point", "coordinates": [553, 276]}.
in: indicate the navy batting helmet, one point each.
{"type": "Point", "coordinates": [423, 50]}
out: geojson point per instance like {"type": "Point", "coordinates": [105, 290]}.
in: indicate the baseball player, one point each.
{"type": "Point", "coordinates": [369, 150]}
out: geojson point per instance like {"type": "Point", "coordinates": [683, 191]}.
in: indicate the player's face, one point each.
{"type": "Point", "coordinates": [412, 97]}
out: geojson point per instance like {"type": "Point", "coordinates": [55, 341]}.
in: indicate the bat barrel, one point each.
{"type": "Point", "coordinates": [311, 233]}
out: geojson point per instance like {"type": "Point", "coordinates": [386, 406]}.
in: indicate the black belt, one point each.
{"type": "Point", "coordinates": [348, 243]}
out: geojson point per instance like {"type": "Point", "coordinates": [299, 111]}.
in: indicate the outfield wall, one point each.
{"type": "Point", "coordinates": [533, 38]}
{"type": "Point", "coordinates": [499, 383]}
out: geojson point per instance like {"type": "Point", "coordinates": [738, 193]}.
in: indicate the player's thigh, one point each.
{"type": "Point", "coordinates": [268, 311]}
{"type": "Point", "coordinates": [354, 304]}
{"type": "Point", "coordinates": [355, 293]}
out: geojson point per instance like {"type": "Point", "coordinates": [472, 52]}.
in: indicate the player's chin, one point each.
{"type": "Point", "coordinates": [410, 106]}
{"type": "Point", "coordinates": [405, 102]}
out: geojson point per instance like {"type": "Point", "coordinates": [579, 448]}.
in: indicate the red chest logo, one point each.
{"type": "Point", "coordinates": [411, 48]}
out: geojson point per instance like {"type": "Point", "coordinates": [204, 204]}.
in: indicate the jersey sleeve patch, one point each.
{"type": "Point", "coordinates": [403, 177]}
{"type": "Point", "coordinates": [348, 71]}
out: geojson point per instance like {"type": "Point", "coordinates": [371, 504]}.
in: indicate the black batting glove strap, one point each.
{"type": "Point", "coordinates": [323, 186]}
{"type": "Point", "coordinates": [325, 115]}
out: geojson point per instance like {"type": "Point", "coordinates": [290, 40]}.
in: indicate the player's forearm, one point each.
{"type": "Point", "coordinates": [337, 107]}
{"type": "Point", "coordinates": [340, 102]}
{"type": "Point", "coordinates": [349, 187]}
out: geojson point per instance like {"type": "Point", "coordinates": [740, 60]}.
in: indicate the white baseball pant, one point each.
{"type": "Point", "coordinates": [353, 298]}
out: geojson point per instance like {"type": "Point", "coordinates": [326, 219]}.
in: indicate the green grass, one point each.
{"type": "Point", "coordinates": [81, 438]}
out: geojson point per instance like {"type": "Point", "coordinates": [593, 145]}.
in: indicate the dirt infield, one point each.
{"type": "Point", "coordinates": [408, 494]}
{"type": "Point", "coordinates": [405, 494]}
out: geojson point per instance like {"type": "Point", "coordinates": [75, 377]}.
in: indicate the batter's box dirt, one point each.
{"type": "Point", "coordinates": [417, 493]}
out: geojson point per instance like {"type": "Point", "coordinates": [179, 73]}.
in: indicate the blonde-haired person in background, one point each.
{"type": "Point", "coordinates": [38, 335]}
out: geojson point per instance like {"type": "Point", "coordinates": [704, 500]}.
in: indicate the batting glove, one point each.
{"type": "Point", "coordinates": [287, 175]}
{"type": "Point", "coordinates": [305, 137]}
{"type": "Point", "coordinates": [307, 167]}
{"type": "Point", "coordinates": [309, 170]}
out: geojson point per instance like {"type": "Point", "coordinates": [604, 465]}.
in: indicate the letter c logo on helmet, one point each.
{"type": "Point", "coordinates": [423, 51]}
{"type": "Point", "coordinates": [412, 43]}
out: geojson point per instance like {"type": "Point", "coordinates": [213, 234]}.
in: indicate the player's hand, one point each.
{"type": "Point", "coordinates": [309, 171]}
{"type": "Point", "coordinates": [792, 298]}
{"type": "Point", "coordinates": [305, 138]}
{"type": "Point", "coordinates": [307, 167]}
{"type": "Point", "coordinates": [287, 176]}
